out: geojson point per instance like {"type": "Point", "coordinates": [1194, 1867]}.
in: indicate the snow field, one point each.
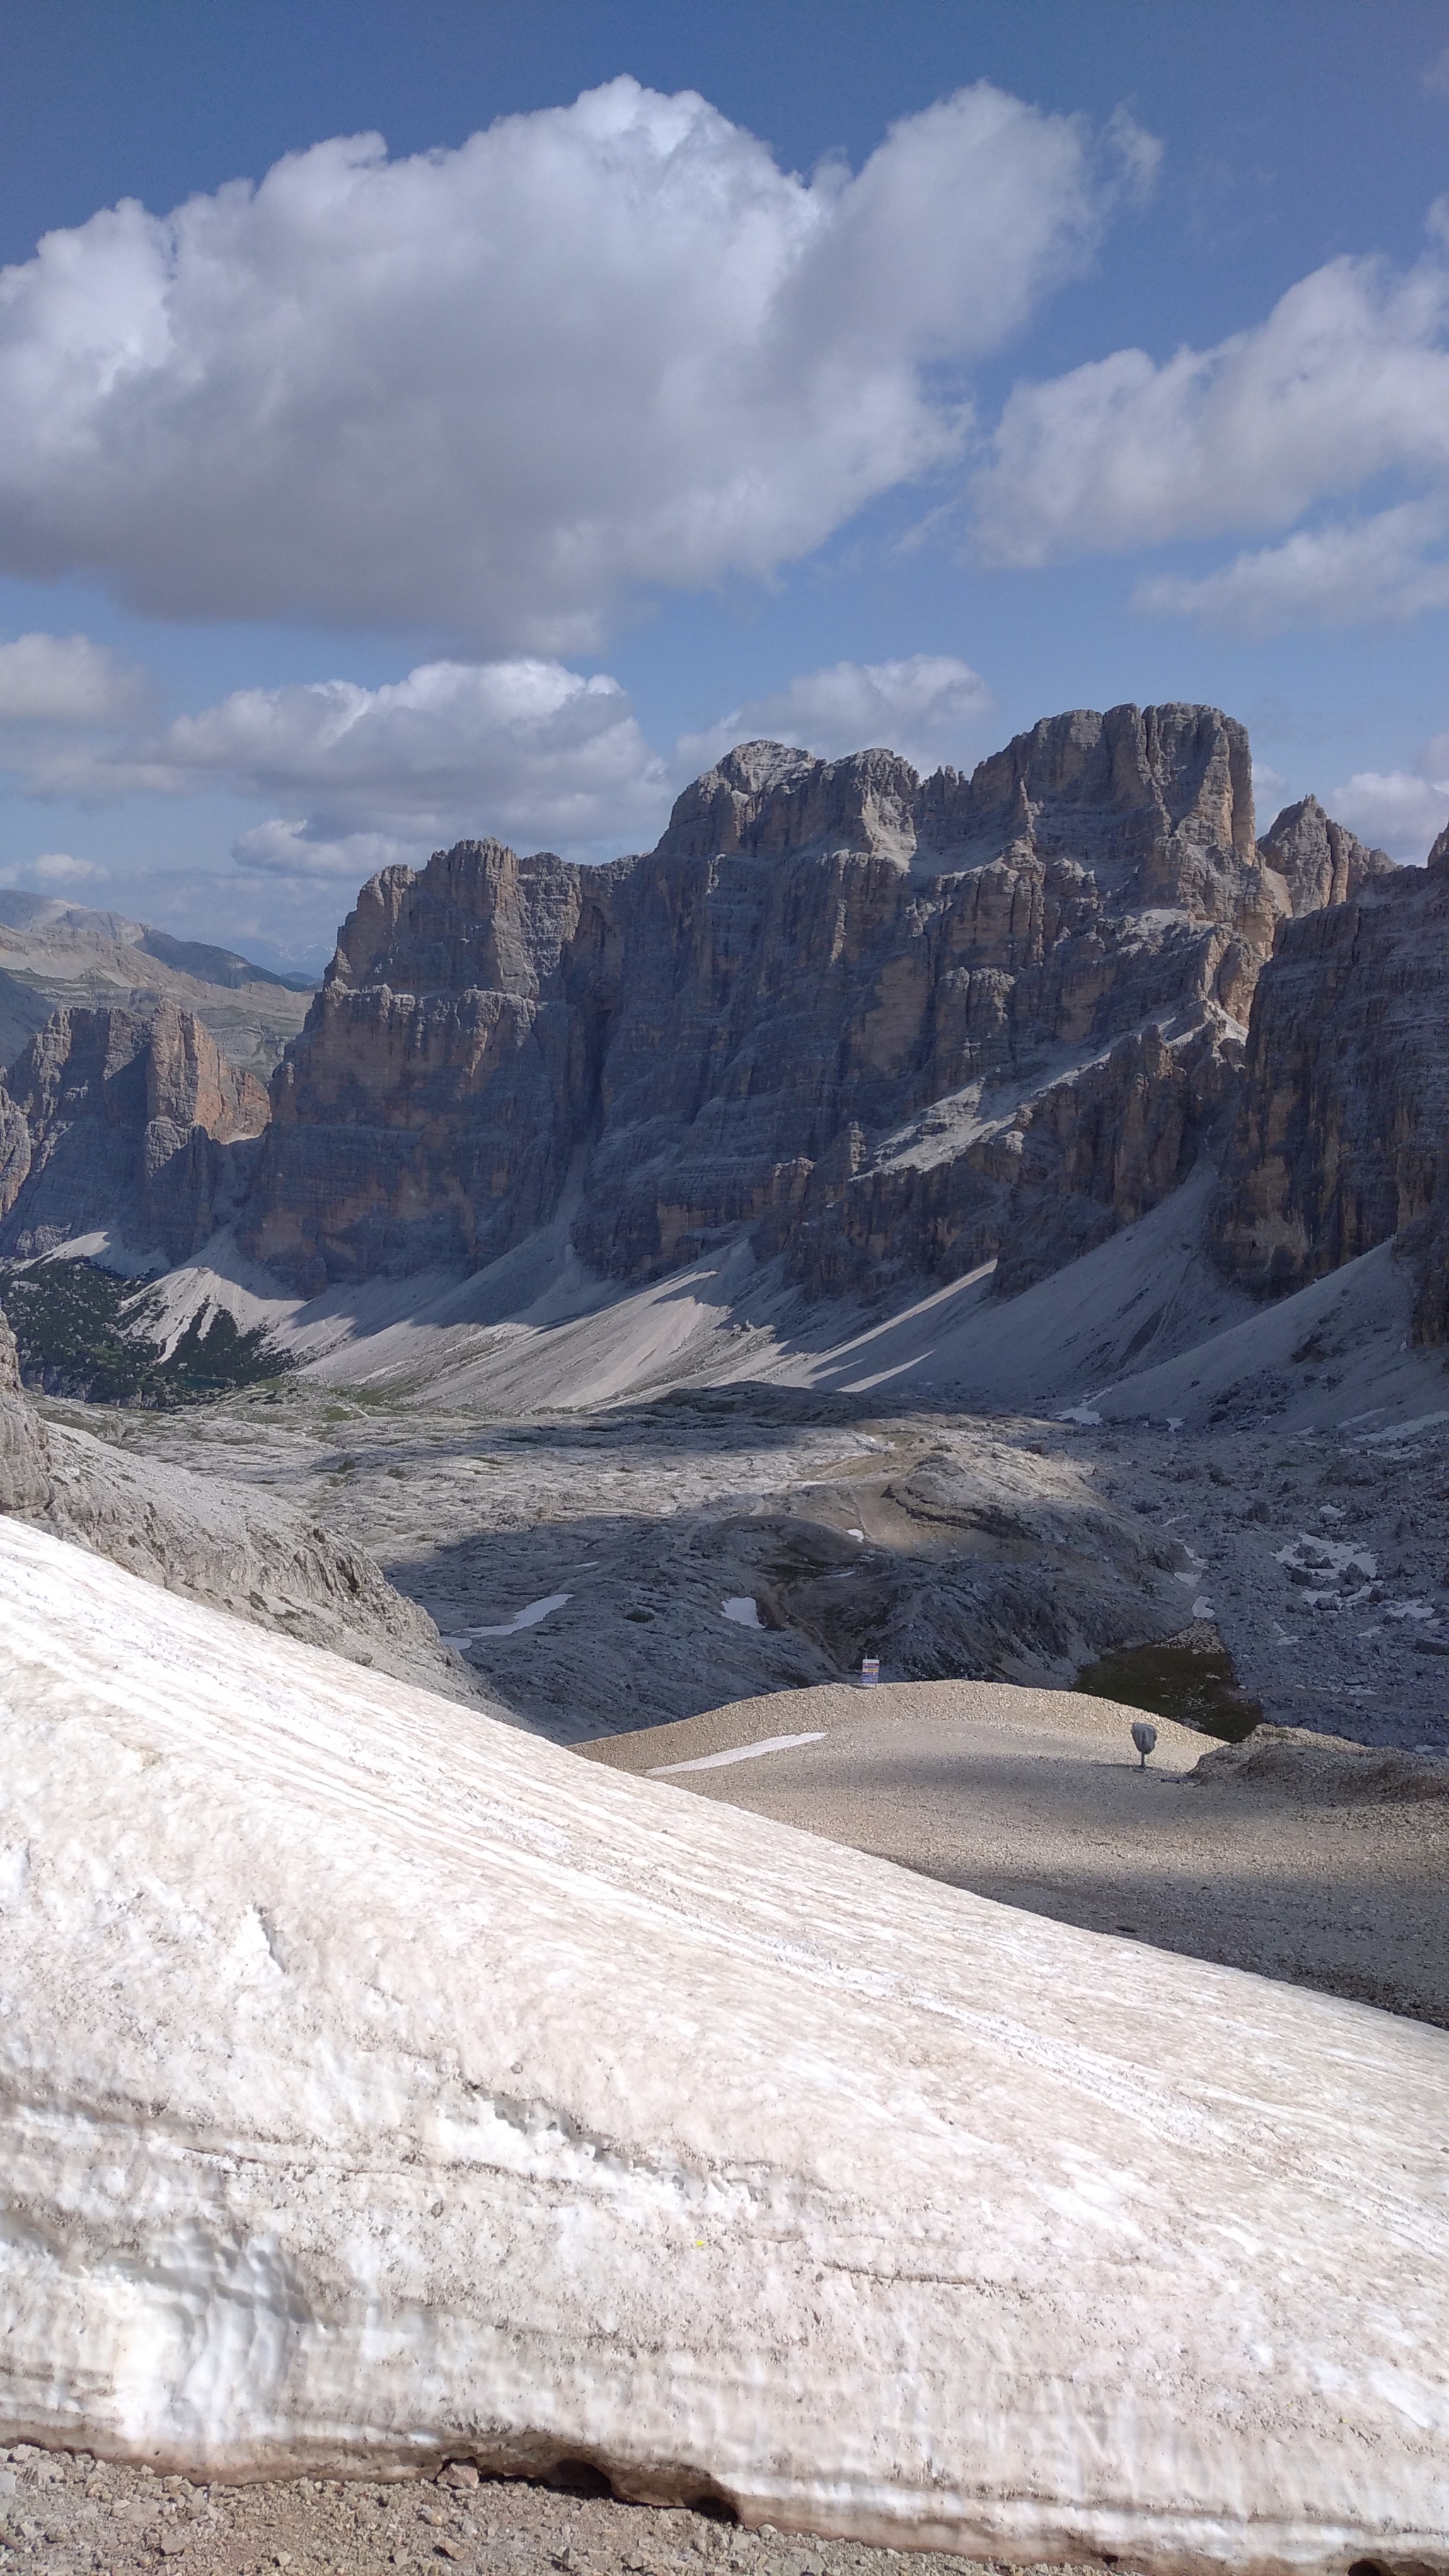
{"type": "Point", "coordinates": [384, 2085]}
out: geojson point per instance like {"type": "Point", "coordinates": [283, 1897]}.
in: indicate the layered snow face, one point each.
{"type": "Point", "coordinates": [382, 2085]}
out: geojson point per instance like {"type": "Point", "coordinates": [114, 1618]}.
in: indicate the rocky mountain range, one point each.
{"type": "Point", "coordinates": [891, 1029]}
{"type": "Point", "coordinates": [57, 955]}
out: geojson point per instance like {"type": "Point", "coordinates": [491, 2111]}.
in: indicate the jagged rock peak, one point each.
{"type": "Point", "coordinates": [754, 766]}
{"type": "Point", "coordinates": [771, 801]}
{"type": "Point", "coordinates": [1171, 757]}
{"type": "Point", "coordinates": [1320, 861]}
{"type": "Point", "coordinates": [477, 915]}
{"type": "Point", "coordinates": [1060, 784]}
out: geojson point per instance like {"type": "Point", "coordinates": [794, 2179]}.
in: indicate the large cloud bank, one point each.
{"type": "Point", "coordinates": [598, 347]}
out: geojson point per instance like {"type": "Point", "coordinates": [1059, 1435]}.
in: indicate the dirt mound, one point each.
{"type": "Point", "coordinates": [1324, 1770]}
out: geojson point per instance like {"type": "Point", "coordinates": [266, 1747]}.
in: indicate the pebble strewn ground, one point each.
{"type": "Point", "coordinates": [61, 2512]}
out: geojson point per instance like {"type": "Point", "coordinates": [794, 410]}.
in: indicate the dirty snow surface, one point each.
{"type": "Point", "coordinates": [384, 2086]}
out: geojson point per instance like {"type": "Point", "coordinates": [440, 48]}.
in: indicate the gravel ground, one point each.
{"type": "Point", "coordinates": [1295, 1856]}
{"type": "Point", "coordinates": [61, 2512]}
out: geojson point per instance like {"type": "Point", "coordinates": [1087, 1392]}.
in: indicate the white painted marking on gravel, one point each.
{"type": "Point", "coordinates": [738, 1753]}
{"type": "Point", "coordinates": [743, 1609]}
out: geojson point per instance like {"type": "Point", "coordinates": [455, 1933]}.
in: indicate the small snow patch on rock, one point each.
{"type": "Point", "coordinates": [527, 1618]}
{"type": "Point", "coordinates": [743, 1609]}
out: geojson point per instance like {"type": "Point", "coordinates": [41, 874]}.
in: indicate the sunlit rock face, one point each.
{"type": "Point", "coordinates": [382, 2086]}
{"type": "Point", "coordinates": [892, 1026]}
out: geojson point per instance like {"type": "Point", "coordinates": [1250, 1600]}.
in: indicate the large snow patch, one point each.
{"type": "Point", "coordinates": [383, 2085]}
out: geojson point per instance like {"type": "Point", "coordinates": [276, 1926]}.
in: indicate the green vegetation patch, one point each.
{"type": "Point", "coordinates": [83, 1333]}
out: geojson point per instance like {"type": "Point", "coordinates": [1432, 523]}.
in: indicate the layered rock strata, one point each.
{"type": "Point", "coordinates": [895, 1027]}
{"type": "Point", "coordinates": [61, 956]}
{"type": "Point", "coordinates": [1338, 1142]}
{"type": "Point", "coordinates": [122, 1122]}
{"type": "Point", "coordinates": [385, 2088]}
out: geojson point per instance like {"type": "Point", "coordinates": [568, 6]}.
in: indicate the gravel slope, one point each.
{"type": "Point", "coordinates": [1294, 1856]}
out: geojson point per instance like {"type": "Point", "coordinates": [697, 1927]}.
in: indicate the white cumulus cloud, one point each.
{"type": "Point", "coordinates": [57, 868]}
{"type": "Point", "coordinates": [598, 347]}
{"type": "Point", "coordinates": [1345, 383]}
{"type": "Point", "coordinates": [533, 747]}
{"type": "Point", "coordinates": [1398, 810]}
{"type": "Point", "coordinates": [1363, 571]}
{"type": "Point", "coordinates": [294, 849]}
{"type": "Point", "coordinates": [525, 748]}
{"type": "Point", "coordinates": [928, 705]}
{"type": "Point", "coordinates": [67, 680]}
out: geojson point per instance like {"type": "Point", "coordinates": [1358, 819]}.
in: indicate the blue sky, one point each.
{"type": "Point", "coordinates": [836, 369]}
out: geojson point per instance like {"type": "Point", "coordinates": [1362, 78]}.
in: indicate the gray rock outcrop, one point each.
{"type": "Point", "coordinates": [125, 1122]}
{"type": "Point", "coordinates": [895, 1027]}
{"type": "Point", "coordinates": [213, 1542]}
{"type": "Point", "coordinates": [1338, 1140]}
{"type": "Point", "coordinates": [24, 1469]}
{"type": "Point", "coordinates": [891, 1028]}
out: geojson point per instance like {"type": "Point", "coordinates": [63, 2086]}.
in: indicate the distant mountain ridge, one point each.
{"type": "Point", "coordinates": [894, 1027]}
{"type": "Point", "coordinates": [42, 913]}
{"type": "Point", "coordinates": [58, 955]}
{"type": "Point", "coordinates": [888, 1029]}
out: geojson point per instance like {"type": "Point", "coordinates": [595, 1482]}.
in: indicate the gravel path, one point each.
{"type": "Point", "coordinates": [62, 2513]}
{"type": "Point", "coordinates": [1295, 1856]}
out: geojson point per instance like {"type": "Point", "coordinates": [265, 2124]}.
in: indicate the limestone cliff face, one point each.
{"type": "Point", "coordinates": [893, 1025]}
{"type": "Point", "coordinates": [1338, 1141]}
{"type": "Point", "coordinates": [1319, 861]}
{"type": "Point", "coordinates": [25, 1485]}
{"type": "Point", "coordinates": [117, 1120]}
